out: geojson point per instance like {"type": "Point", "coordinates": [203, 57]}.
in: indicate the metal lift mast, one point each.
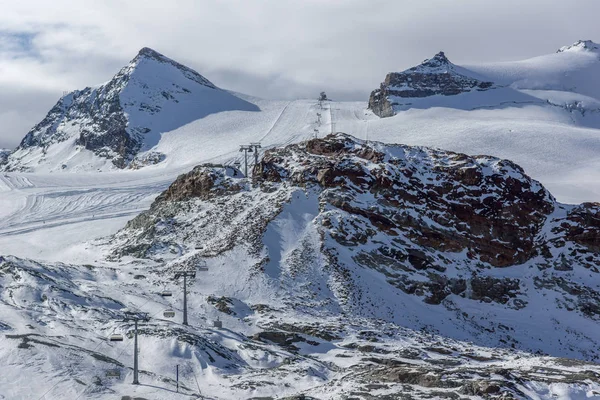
{"type": "Point", "coordinates": [136, 317]}
{"type": "Point", "coordinates": [246, 148]}
{"type": "Point", "coordinates": [185, 274]}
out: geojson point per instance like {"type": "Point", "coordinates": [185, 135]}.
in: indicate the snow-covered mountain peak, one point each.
{"type": "Point", "coordinates": [581, 45]}
{"type": "Point", "coordinates": [111, 124]}
{"type": "Point", "coordinates": [434, 76]}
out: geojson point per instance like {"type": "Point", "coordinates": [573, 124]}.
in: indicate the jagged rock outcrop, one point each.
{"type": "Point", "coordinates": [435, 76]}
{"type": "Point", "coordinates": [124, 117]}
{"type": "Point", "coordinates": [442, 229]}
{"type": "Point", "coordinates": [580, 45]}
{"type": "Point", "coordinates": [4, 153]}
{"type": "Point", "coordinates": [484, 205]}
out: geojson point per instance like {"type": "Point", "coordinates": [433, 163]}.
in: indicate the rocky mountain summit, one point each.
{"type": "Point", "coordinates": [120, 120]}
{"type": "Point", "coordinates": [464, 246]}
{"type": "Point", "coordinates": [586, 45]}
{"type": "Point", "coordinates": [435, 76]}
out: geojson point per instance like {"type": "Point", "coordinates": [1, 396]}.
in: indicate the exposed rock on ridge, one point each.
{"type": "Point", "coordinates": [580, 45]}
{"type": "Point", "coordinates": [437, 226]}
{"type": "Point", "coordinates": [435, 76]}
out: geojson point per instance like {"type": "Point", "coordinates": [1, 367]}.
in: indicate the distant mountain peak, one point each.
{"type": "Point", "coordinates": [434, 76]}
{"type": "Point", "coordinates": [125, 116]}
{"type": "Point", "coordinates": [580, 45]}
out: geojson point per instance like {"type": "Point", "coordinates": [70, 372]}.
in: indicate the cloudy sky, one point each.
{"type": "Point", "coordinates": [268, 48]}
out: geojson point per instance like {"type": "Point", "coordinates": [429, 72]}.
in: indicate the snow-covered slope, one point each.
{"type": "Point", "coordinates": [56, 320]}
{"type": "Point", "coordinates": [340, 270]}
{"type": "Point", "coordinates": [573, 69]}
{"type": "Point", "coordinates": [111, 124]}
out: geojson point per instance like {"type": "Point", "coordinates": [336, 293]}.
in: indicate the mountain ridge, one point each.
{"type": "Point", "coordinates": [434, 76]}
{"type": "Point", "coordinates": [567, 78]}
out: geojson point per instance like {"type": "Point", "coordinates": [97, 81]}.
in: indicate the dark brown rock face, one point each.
{"type": "Point", "coordinates": [436, 76]}
{"type": "Point", "coordinates": [202, 182]}
{"type": "Point", "coordinates": [438, 200]}
{"type": "Point", "coordinates": [433, 221]}
{"type": "Point", "coordinates": [583, 226]}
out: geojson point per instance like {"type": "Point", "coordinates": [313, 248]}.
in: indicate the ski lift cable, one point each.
{"type": "Point", "coordinates": [102, 341]}
{"type": "Point", "coordinates": [125, 347]}
{"type": "Point", "coordinates": [99, 344]}
{"type": "Point", "coordinates": [94, 350]}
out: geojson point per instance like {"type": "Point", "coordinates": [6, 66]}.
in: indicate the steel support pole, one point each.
{"type": "Point", "coordinates": [185, 320]}
{"type": "Point", "coordinates": [135, 355]}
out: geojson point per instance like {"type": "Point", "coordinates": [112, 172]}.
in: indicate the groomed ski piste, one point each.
{"type": "Point", "coordinates": [60, 217]}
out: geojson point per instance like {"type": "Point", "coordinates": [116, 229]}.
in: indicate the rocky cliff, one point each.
{"type": "Point", "coordinates": [435, 76]}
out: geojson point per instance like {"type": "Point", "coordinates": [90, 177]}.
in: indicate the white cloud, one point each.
{"type": "Point", "coordinates": [269, 48]}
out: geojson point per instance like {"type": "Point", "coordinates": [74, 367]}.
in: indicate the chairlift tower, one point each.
{"type": "Point", "coordinates": [246, 149]}
{"type": "Point", "coordinates": [255, 147]}
{"type": "Point", "coordinates": [185, 274]}
{"type": "Point", "coordinates": [136, 317]}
